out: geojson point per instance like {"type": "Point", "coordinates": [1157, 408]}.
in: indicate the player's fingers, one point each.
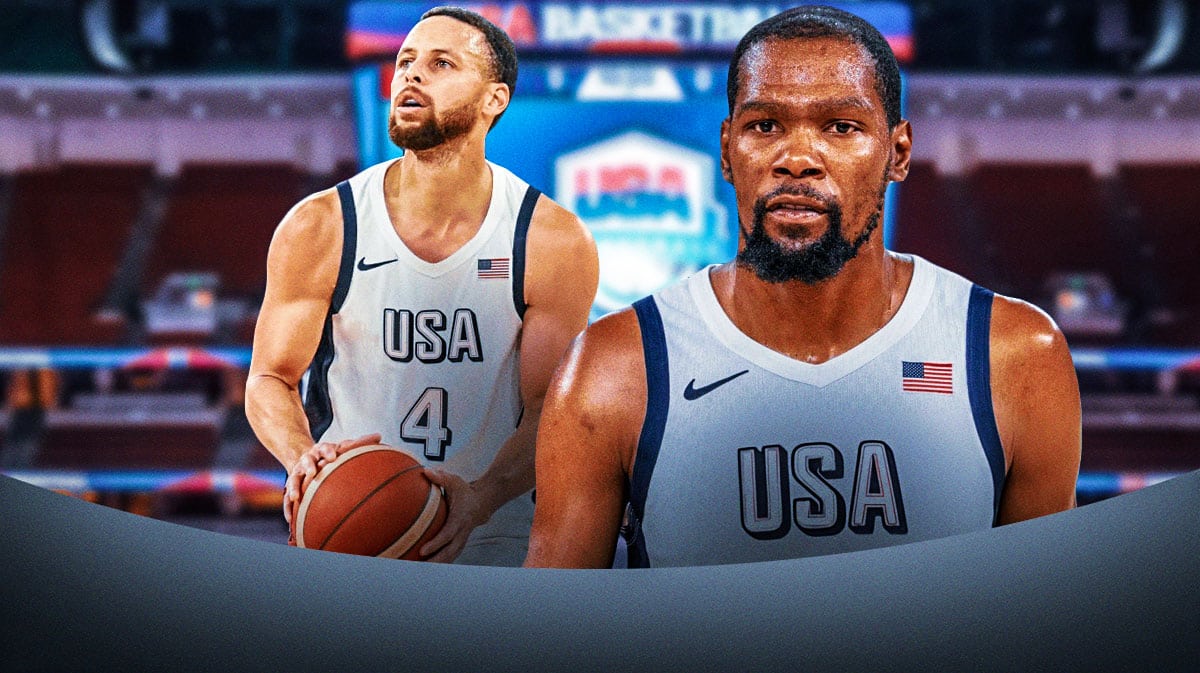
{"type": "Point", "coordinates": [291, 489]}
{"type": "Point", "coordinates": [327, 452]}
{"type": "Point", "coordinates": [436, 542]}
{"type": "Point", "coordinates": [447, 480]}
{"type": "Point", "coordinates": [307, 476]}
{"type": "Point", "coordinates": [447, 554]}
{"type": "Point", "coordinates": [287, 507]}
{"type": "Point", "coordinates": [447, 535]}
{"type": "Point", "coordinates": [365, 440]}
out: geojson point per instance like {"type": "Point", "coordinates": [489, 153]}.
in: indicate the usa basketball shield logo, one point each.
{"type": "Point", "coordinates": [651, 207]}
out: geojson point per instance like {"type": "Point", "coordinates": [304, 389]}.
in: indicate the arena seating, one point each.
{"type": "Point", "coordinates": [132, 430]}
{"type": "Point", "coordinates": [1040, 219]}
{"type": "Point", "coordinates": [1128, 431]}
{"type": "Point", "coordinates": [221, 219]}
{"type": "Point", "coordinates": [1167, 200]}
{"type": "Point", "coordinates": [65, 233]}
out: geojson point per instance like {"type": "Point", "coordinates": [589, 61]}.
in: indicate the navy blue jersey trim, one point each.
{"type": "Point", "coordinates": [518, 251]}
{"type": "Point", "coordinates": [979, 387]}
{"type": "Point", "coordinates": [349, 245]}
{"type": "Point", "coordinates": [317, 405]}
{"type": "Point", "coordinates": [658, 399]}
{"type": "Point", "coordinates": [636, 556]}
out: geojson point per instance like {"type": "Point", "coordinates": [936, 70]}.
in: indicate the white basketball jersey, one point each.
{"type": "Point", "coordinates": [749, 455]}
{"type": "Point", "coordinates": [427, 353]}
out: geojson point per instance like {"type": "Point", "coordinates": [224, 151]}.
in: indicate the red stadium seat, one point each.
{"type": "Point", "coordinates": [66, 231]}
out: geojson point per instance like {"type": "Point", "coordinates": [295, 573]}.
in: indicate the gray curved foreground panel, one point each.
{"type": "Point", "coordinates": [1111, 586]}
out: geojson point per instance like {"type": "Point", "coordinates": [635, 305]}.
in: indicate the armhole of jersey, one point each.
{"type": "Point", "coordinates": [317, 405]}
{"type": "Point", "coordinates": [349, 246]}
{"type": "Point", "coordinates": [979, 387]}
{"type": "Point", "coordinates": [518, 252]}
{"type": "Point", "coordinates": [658, 398]}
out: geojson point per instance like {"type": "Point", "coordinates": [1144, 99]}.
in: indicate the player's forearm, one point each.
{"type": "Point", "coordinates": [511, 472]}
{"type": "Point", "coordinates": [277, 417]}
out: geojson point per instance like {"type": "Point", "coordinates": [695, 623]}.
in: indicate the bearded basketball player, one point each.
{"type": "Point", "coordinates": [429, 299]}
{"type": "Point", "coordinates": [819, 394]}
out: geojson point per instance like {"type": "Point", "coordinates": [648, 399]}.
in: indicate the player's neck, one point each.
{"type": "Point", "coordinates": [814, 323]}
{"type": "Point", "coordinates": [441, 180]}
{"type": "Point", "coordinates": [438, 198]}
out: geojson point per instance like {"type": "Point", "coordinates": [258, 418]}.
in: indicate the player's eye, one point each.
{"type": "Point", "coordinates": [764, 126]}
{"type": "Point", "coordinates": [443, 63]}
{"type": "Point", "coordinates": [403, 63]}
{"type": "Point", "coordinates": [842, 128]}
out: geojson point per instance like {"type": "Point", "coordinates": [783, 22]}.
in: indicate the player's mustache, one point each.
{"type": "Point", "coordinates": [826, 201]}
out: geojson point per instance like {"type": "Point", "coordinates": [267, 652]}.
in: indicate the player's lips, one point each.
{"type": "Point", "coordinates": [797, 208]}
{"type": "Point", "coordinates": [410, 98]}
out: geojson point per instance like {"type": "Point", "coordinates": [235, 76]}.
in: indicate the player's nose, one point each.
{"type": "Point", "coordinates": [798, 158]}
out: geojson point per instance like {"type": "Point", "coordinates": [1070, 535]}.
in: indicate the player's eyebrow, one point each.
{"type": "Point", "coordinates": [820, 106]}
{"type": "Point", "coordinates": [437, 52]}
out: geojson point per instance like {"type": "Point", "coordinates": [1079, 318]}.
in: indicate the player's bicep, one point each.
{"type": "Point", "coordinates": [1036, 394]}
{"type": "Point", "coordinates": [560, 287]}
{"type": "Point", "coordinates": [586, 443]}
{"type": "Point", "coordinates": [286, 337]}
{"type": "Point", "coordinates": [302, 267]}
{"type": "Point", "coordinates": [545, 337]}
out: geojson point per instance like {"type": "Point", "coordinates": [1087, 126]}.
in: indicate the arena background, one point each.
{"type": "Point", "coordinates": [148, 149]}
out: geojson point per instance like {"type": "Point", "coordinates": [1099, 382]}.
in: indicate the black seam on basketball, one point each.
{"type": "Point", "coordinates": [363, 499]}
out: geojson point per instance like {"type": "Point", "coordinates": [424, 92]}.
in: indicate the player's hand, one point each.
{"type": "Point", "coordinates": [466, 511]}
{"type": "Point", "coordinates": [305, 469]}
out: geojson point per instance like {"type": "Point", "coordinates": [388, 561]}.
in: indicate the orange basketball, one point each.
{"type": "Point", "coordinates": [371, 501]}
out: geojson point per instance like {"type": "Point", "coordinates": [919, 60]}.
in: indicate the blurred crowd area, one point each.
{"type": "Point", "coordinates": [148, 149]}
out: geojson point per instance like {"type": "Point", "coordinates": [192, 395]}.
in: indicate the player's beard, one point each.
{"type": "Point", "coordinates": [432, 132]}
{"type": "Point", "coordinates": [818, 261]}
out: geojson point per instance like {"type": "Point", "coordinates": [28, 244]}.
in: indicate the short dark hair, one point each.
{"type": "Point", "coordinates": [812, 21]}
{"type": "Point", "coordinates": [503, 61]}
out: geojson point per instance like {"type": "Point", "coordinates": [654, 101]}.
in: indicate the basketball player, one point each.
{"type": "Point", "coordinates": [429, 298]}
{"type": "Point", "coordinates": [819, 394]}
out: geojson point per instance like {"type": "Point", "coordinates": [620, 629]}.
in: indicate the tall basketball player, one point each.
{"type": "Point", "coordinates": [819, 394]}
{"type": "Point", "coordinates": [429, 299]}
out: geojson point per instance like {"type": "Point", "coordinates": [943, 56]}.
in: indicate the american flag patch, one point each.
{"type": "Point", "coordinates": [927, 377]}
{"type": "Point", "coordinates": [493, 268]}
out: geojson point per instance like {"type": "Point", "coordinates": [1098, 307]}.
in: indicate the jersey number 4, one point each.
{"type": "Point", "coordinates": [425, 423]}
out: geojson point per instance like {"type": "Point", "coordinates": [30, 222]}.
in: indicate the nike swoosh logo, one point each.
{"type": "Point", "coordinates": [693, 393]}
{"type": "Point", "coordinates": [363, 266]}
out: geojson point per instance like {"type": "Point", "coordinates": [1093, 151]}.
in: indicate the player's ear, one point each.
{"type": "Point", "coordinates": [901, 151]}
{"type": "Point", "coordinates": [725, 170]}
{"type": "Point", "coordinates": [497, 99]}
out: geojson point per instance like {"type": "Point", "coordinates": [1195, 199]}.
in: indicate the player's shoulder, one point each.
{"type": "Point", "coordinates": [560, 251]}
{"type": "Point", "coordinates": [1023, 335]}
{"type": "Point", "coordinates": [616, 332]}
{"type": "Point", "coordinates": [317, 211]}
{"type": "Point", "coordinates": [313, 227]}
{"type": "Point", "coordinates": [602, 377]}
{"type": "Point", "coordinates": [322, 210]}
{"type": "Point", "coordinates": [610, 345]}
{"type": "Point", "coordinates": [558, 226]}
